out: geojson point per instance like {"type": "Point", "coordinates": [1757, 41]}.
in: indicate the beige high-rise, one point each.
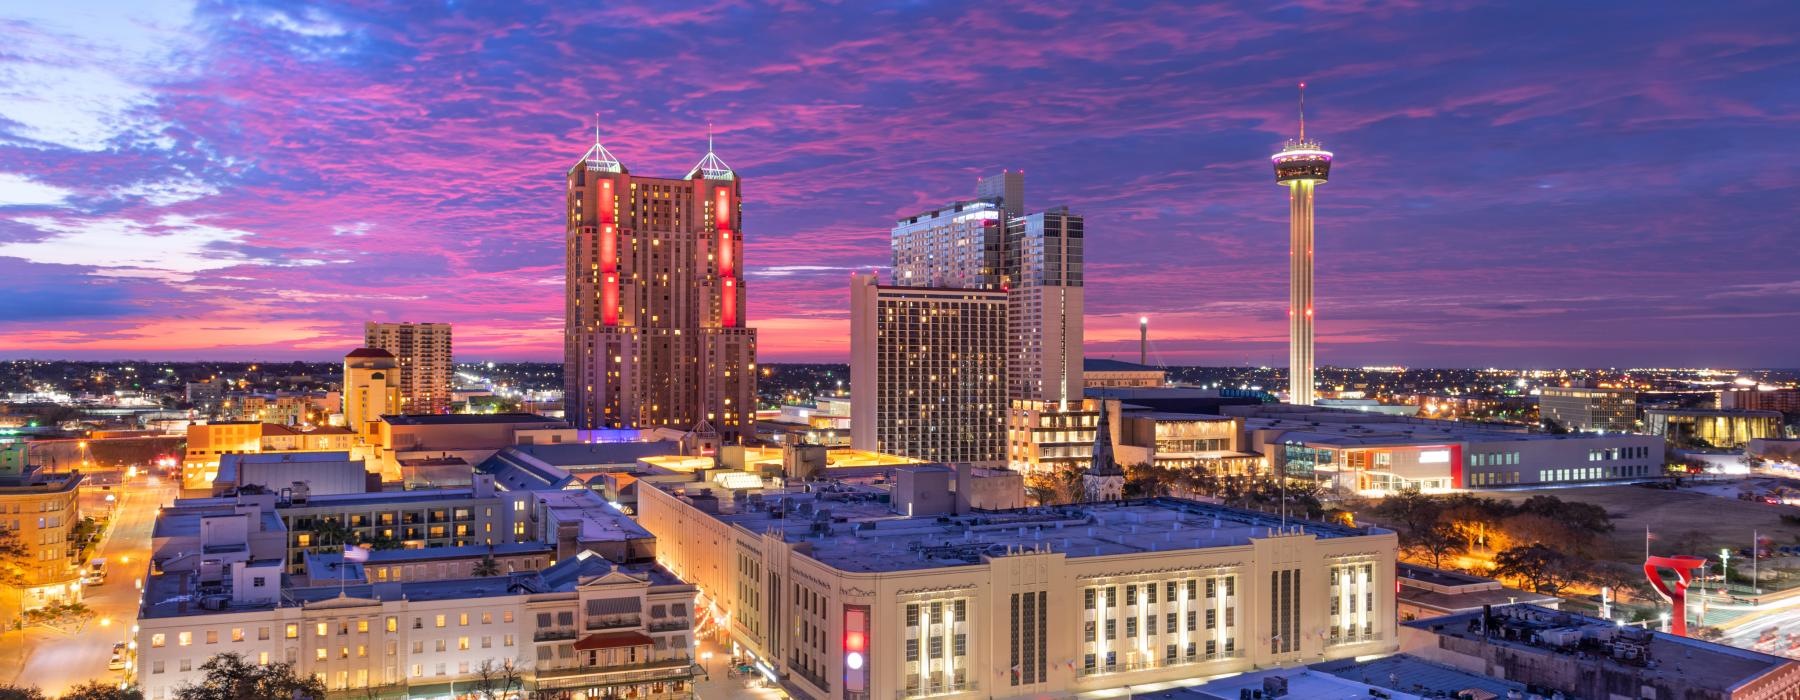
{"type": "Point", "coordinates": [371, 389]}
{"type": "Point", "coordinates": [655, 331]}
{"type": "Point", "coordinates": [426, 362]}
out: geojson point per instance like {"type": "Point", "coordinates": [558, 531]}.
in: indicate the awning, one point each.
{"type": "Point", "coordinates": [612, 640]}
{"type": "Point", "coordinates": [615, 606]}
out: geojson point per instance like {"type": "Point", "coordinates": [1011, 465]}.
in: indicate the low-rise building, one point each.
{"type": "Point", "coordinates": [837, 595]}
{"type": "Point", "coordinates": [1183, 441]}
{"type": "Point", "coordinates": [1099, 372]}
{"type": "Point", "coordinates": [207, 443]}
{"type": "Point", "coordinates": [1712, 427]}
{"type": "Point", "coordinates": [1589, 408]}
{"type": "Point", "coordinates": [40, 509]}
{"type": "Point", "coordinates": [1377, 454]}
{"type": "Point", "coordinates": [1587, 657]}
{"type": "Point", "coordinates": [584, 626]}
{"type": "Point", "coordinates": [323, 473]}
{"type": "Point", "coordinates": [1046, 437]}
{"type": "Point", "coordinates": [1427, 592]}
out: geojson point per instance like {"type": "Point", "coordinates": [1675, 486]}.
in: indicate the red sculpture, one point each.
{"type": "Point", "coordinates": [1683, 566]}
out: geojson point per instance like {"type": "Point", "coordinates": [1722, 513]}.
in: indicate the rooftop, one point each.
{"type": "Point", "coordinates": [851, 527]}
{"type": "Point", "coordinates": [368, 352]}
{"type": "Point", "coordinates": [172, 595]}
{"type": "Point", "coordinates": [1326, 426]}
{"type": "Point", "coordinates": [584, 454]}
{"type": "Point", "coordinates": [468, 419]}
{"type": "Point", "coordinates": [1096, 364]}
{"type": "Point", "coordinates": [599, 520]}
{"type": "Point", "coordinates": [1702, 663]}
{"type": "Point", "coordinates": [1410, 674]}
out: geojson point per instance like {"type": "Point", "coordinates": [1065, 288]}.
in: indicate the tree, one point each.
{"type": "Point", "coordinates": [230, 677]}
{"type": "Point", "coordinates": [14, 557]}
{"type": "Point", "coordinates": [496, 681]}
{"type": "Point", "coordinates": [1438, 541]}
{"type": "Point", "coordinates": [1145, 481]}
{"type": "Point", "coordinates": [20, 692]}
{"type": "Point", "coordinates": [487, 567]}
{"type": "Point", "coordinates": [95, 690]}
{"type": "Point", "coordinates": [1543, 568]}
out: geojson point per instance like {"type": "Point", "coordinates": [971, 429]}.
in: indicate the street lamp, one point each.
{"type": "Point", "coordinates": [1725, 573]}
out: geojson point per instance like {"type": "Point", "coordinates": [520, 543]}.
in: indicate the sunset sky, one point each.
{"type": "Point", "coordinates": [1516, 184]}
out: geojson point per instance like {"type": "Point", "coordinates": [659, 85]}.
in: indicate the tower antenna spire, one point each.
{"type": "Point", "coordinates": [1303, 110]}
{"type": "Point", "coordinates": [596, 128]}
{"type": "Point", "coordinates": [709, 146]}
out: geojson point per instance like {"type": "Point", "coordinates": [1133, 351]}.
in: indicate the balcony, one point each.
{"type": "Point", "coordinates": [669, 625]}
{"type": "Point", "coordinates": [613, 623]}
{"type": "Point", "coordinates": [1337, 639]}
{"type": "Point", "coordinates": [579, 676]}
{"type": "Point", "coordinates": [553, 634]}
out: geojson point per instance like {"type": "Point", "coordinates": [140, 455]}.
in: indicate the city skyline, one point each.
{"type": "Point", "coordinates": [1525, 188]}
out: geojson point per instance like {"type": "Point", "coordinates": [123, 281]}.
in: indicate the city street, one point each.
{"type": "Point", "coordinates": [717, 684]}
{"type": "Point", "coordinates": [59, 659]}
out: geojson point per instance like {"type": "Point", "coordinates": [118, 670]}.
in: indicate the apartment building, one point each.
{"type": "Point", "coordinates": [837, 595]}
{"type": "Point", "coordinates": [427, 364]}
{"type": "Point", "coordinates": [1589, 408]}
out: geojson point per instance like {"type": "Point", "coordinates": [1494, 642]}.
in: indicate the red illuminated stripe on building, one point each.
{"type": "Point", "coordinates": [609, 256]}
{"type": "Point", "coordinates": [727, 262]}
{"type": "Point", "coordinates": [1456, 467]}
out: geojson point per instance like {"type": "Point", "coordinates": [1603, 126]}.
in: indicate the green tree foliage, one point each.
{"type": "Point", "coordinates": [1541, 566]}
{"type": "Point", "coordinates": [95, 690]}
{"type": "Point", "coordinates": [19, 692]}
{"type": "Point", "coordinates": [230, 677]}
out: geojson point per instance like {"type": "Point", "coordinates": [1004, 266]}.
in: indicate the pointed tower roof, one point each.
{"type": "Point", "coordinates": [1102, 463]}
{"type": "Point", "coordinates": [710, 167]}
{"type": "Point", "coordinates": [598, 159]}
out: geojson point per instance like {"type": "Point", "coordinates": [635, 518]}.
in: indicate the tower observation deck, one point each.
{"type": "Point", "coordinates": [1301, 165]}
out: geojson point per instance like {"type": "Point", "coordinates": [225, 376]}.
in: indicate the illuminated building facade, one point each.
{"type": "Point", "coordinates": [1044, 305]}
{"type": "Point", "coordinates": [656, 332]}
{"type": "Point", "coordinates": [928, 371]}
{"type": "Point", "coordinates": [1722, 428]}
{"type": "Point", "coordinates": [1301, 166]}
{"type": "Point", "coordinates": [426, 361]}
{"type": "Point", "coordinates": [40, 508]}
{"type": "Point", "coordinates": [1589, 408]}
{"type": "Point", "coordinates": [1054, 602]}
{"type": "Point", "coordinates": [371, 390]}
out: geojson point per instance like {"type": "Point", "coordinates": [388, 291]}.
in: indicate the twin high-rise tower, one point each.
{"type": "Point", "coordinates": [1301, 165]}
{"type": "Point", "coordinates": [655, 332]}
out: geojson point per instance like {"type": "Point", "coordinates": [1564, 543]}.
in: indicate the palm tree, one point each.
{"type": "Point", "coordinates": [487, 567]}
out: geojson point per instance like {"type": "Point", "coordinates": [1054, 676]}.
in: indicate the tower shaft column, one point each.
{"type": "Point", "coordinates": [1300, 292]}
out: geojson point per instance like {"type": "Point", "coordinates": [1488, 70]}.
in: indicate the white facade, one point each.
{"type": "Point", "coordinates": [421, 637]}
{"type": "Point", "coordinates": [1042, 602]}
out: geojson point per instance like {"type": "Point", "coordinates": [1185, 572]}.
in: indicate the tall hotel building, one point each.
{"type": "Point", "coordinates": [423, 351]}
{"type": "Point", "coordinates": [927, 371]}
{"type": "Point", "coordinates": [655, 309]}
{"type": "Point", "coordinates": [1029, 266]}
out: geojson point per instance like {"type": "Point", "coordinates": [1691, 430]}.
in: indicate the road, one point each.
{"type": "Point", "coordinates": [60, 659]}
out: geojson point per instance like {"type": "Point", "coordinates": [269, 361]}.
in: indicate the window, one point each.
{"type": "Point", "coordinates": [156, 640]}
{"type": "Point", "coordinates": [393, 624]}
{"type": "Point", "coordinates": [362, 625]}
{"type": "Point", "coordinates": [463, 620]}
{"type": "Point", "coordinates": [293, 630]}
{"type": "Point", "coordinates": [319, 653]}
{"type": "Point", "coordinates": [321, 629]}
{"type": "Point", "coordinates": [237, 634]}
{"type": "Point", "coordinates": [184, 638]}
{"type": "Point", "coordinates": [440, 621]}
{"type": "Point", "coordinates": [462, 643]}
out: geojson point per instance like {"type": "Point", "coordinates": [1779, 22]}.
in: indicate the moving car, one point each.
{"type": "Point", "coordinates": [120, 652]}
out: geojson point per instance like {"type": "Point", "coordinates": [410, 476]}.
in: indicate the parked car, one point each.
{"type": "Point", "coordinates": [119, 657]}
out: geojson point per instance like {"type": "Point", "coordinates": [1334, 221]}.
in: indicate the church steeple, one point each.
{"type": "Point", "coordinates": [1104, 480]}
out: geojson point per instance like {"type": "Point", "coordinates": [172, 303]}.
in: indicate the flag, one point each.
{"type": "Point", "coordinates": [353, 553]}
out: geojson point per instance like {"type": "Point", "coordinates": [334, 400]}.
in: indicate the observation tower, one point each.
{"type": "Point", "coordinates": [1300, 166]}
